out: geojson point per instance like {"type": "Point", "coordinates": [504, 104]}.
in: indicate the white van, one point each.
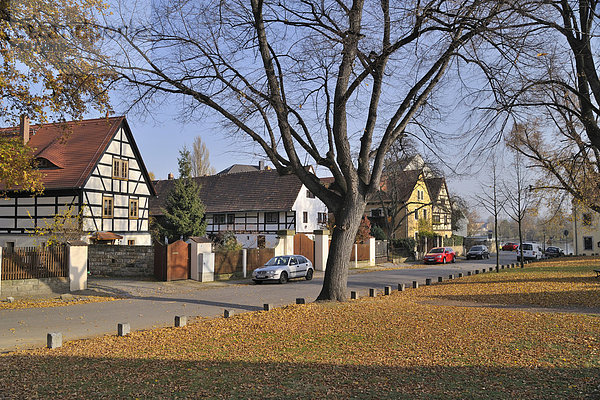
{"type": "Point", "coordinates": [531, 251]}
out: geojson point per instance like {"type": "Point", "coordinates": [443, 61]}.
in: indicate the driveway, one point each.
{"type": "Point", "coordinates": [151, 304]}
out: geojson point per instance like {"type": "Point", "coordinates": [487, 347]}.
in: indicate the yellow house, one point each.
{"type": "Point", "coordinates": [403, 206]}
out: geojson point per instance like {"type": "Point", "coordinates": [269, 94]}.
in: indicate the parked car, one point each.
{"type": "Point", "coordinates": [440, 255]}
{"type": "Point", "coordinates": [553, 251]}
{"type": "Point", "coordinates": [531, 251]}
{"type": "Point", "coordinates": [479, 251]}
{"type": "Point", "coordinates": [284, 268]}
{"type": "Point", "coordinates": [510, 246]}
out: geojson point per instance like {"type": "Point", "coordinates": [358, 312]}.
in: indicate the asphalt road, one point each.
{"type": "Point", "coordinates": [155, 304]}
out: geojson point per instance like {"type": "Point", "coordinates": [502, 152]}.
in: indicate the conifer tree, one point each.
{"type": "Point", "coordinates": [184, 211]}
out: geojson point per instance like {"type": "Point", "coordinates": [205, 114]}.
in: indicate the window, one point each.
{"type": "Point", "coordinates": [130, 242]}
{"type": "Point", "coordinates": [588, 243]}
{"type": "Point", "coordinates": [436, 219]}
{"type": "Point", "coordinates": [376, 213]}
{"type": "Point", "coordinates": [305, 217]}
{"type": "Point", "coordinates": [322, 218]}
{"type": "Point", "coordinates": [416, 215]}
{"type": "Point", "coordinates": [10, 247]}
{"type": "Point", "coordinates": [425, 214]}
{"type": "Point", "coordinates": [587, 219]}
{"type": "Point", "coordinates": [309, 194]}
{"type": "Point", "coordinates": [133, 208]}
{"type": "Point", "coordinates": [420, 195]}
{"type": "Point", "coordinates": [107, 207]}
{"type": "Point", "coordinates": [230, 219]}
{"type": "Point", "coordinates": [272, 217]}
{"type": "Point", "coordinates": [218, 219]}
{"type": "Point", "coordinates": [443, 202]}
{"type": "Point", "coordinates": [120, 169]}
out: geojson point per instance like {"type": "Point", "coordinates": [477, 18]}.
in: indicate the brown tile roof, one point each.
{"type": "Point", "coordinates": [245, 191]}
{"type": "Point", "coordinates": [399, 186]}
{"type": "Point", "coordinates": [74, 147]}
{"type": "Point", "coordinates": [434, 185]}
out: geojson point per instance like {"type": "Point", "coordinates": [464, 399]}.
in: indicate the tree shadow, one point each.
{"type": "Point", "coordinates": [132, 377]}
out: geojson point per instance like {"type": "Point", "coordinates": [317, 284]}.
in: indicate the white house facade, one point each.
{"type": "Point", "coordinates": [90, 166]}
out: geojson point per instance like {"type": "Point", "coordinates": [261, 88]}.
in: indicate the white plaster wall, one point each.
{"type": "Point", "coordinates": [313, 207]}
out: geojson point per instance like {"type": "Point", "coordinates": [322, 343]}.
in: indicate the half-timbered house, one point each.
{"type": "Point", "coordinates": [92, 166]}
{"type": "Point", "coordinates": [253, 204]}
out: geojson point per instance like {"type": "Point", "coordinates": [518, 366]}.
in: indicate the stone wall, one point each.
{"type": "Point", "coordinates": [20, 288]}
{"type": "Point", "coordinates": [121, 261]}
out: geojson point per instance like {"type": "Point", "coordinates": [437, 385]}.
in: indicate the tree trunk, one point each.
{"type": "Point", "coordinates": [347, 221]}
{"type": "Point", "coordinates": [520, 241]}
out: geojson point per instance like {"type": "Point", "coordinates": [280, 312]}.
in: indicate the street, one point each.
{"type": "Point", "coordinates": [155, 304]}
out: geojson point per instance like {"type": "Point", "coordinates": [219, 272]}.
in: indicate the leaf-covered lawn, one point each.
{"type": "Point", "coordinates": [55, 302]}
{"type": "Point", "coordinates": [390, 347]}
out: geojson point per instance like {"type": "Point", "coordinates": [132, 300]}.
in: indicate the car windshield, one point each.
{"type": "Point", "coordinates": [437, 250]}
{"type": "Point", "coordinates": [527, 246]}
{"type": "Point", "coordinates": [476, 248]}
{"type": "Point", "coordinates": [279, 260]}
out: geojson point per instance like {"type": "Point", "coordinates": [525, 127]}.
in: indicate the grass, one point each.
{"type": "Point", "coordinates": [393, 347]}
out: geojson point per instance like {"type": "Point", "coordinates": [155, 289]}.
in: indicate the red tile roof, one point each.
{"type": "Point", "coordinates": [74, 147]}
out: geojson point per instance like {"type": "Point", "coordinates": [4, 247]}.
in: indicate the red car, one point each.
{"type": "Point", "coordinates": [440, 255]}
{"type": "Point", "coordinates": [510, 246]}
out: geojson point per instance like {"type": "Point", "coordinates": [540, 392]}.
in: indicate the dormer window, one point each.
{"type": "Point", "coordinates": [43, 163]}
{"type": "Point", "coordinates": [120, 169]}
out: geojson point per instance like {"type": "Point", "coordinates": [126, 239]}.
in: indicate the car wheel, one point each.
{"type": "Point", "coordinates": [283, 278]}
{"type": "Point", "coordinates": [444, 260]}
{"type": "Point", "coordinates": [309, 274]}
{"type": "Point", "coordinates": [257, 282]}
{"type": "Point", "coordinates": [453, 260]}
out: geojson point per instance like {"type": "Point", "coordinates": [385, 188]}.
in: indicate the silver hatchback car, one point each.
{"type": "Point", "coordinates": [284, 268]}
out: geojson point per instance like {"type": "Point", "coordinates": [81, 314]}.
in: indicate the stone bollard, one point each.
{"type": "Point", "coordinates": [512, 265]}
{"type": "Point", "coordinates": [353, 295]}
{"type": "Point", "coordinates": [227, 313]}
{"type": "Point", "coordinates": [468, 273]}
{"type": "Point", "coordinates": [54, 340]}
{"type": "Point", "coordinates": [300, 300]}
{"type": "Point", "coordinates": [460, 274]}
{"type": "Point", "coordinates": [387, 290]}
{"type": "Point", "coordinates": [451, 276]}
{"type": "Point", "coordinates": [401, 287]}
{"type": "Point", "coordinates": [428, 282]}
{"type": "Point", "coordinates": [10, 299]}
{"type": "Point", "coordinates": [491, 269]}
{"type": "Point", "coordinates": [123, 329]}
{"type": "Point", "coordinates": [415, 285]}
{"type": "Point", "coordinates": [502, 266]}
{"type": "Point", "coordinates": [476, 271]}
{"type": "Point", "coordinates": [440, 279]}
{"type": "Point", "coordinates": [180, 321]}
{"type": "Point", "coordinates": [267, 307]}
{"type": "Point", "coordinates": [372, 292]}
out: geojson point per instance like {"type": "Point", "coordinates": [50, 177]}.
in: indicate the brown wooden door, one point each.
{"type": "Point", "coordinates": [305, 246]}
{"type": "Point", "coordinates": [178, 261]}
{"type": "Point", "coordinates": [160, 261]}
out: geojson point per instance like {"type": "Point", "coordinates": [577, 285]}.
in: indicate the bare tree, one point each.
{"type": "Point", "coordinates": [336, 82]}
{"type": "Point", "coordinates": [492, 200]}
{"type": "Point", "coordinates": [519, 198]}
{"type": "Point", "coordinates": [200, 161]}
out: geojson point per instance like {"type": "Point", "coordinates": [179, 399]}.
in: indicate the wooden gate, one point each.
{"type": "Point", "coordinates": [172, 262]}
{"type": "Point", "coordinates": [305, 246]}
{"type": "Point", "coordinates": [34, 262]}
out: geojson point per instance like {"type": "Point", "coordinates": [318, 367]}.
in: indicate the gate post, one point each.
{"type": "Point", "coordinates": [199, 247]}
{"type": "Point", "coordinates": [372, 251]}
{"type": "Point", "coordinates": [321, 249]}
{"type": "Point", "coordinates": [244, 261]}
{"type": "Point", "coordinates": [285, 244]}
{"type": "Point", "coordinates": [77, 256]}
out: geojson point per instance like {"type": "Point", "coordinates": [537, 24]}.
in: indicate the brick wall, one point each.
{"type": "Point", "coordinates": [20, 288]}
{"type": "Point", "coordinates": [121, 261]}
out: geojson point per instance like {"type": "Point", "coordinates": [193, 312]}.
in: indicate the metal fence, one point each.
{"type": "Point", "coordinates": [34, 262]}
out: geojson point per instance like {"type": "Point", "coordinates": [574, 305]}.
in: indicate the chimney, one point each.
{"type": "Point", "coordinates": [171, 177]}
{"type": "Point", "coordinates": [261, 165]}
{"type": "Point", "coordinates": [24, 128]}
